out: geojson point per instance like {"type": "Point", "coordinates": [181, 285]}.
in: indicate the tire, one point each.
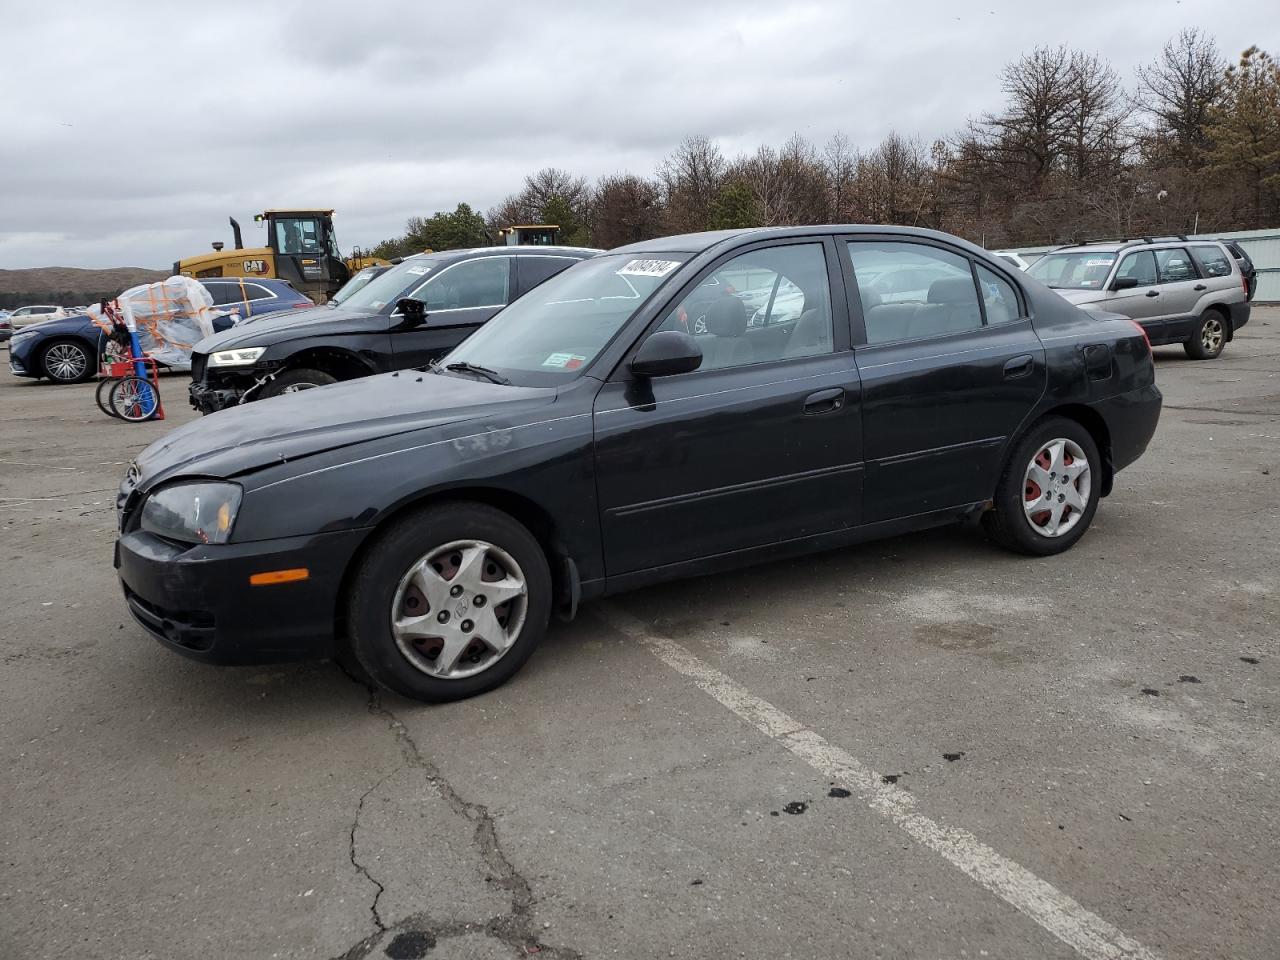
{"type": "Point", "coordinates": [1210, 337]}
{"type": "Point", "coordinates": [68, 361]}
{"type": "Point", "coordinates": [460, 543]}
{"type": "Point", "coordinates": [101, 395]}
{"type": "Point", "coordinates": [292, 381]}
{"type": "Point", "coordinates": [134, 399]}
{"type": "Point", "coordinates": [1042, 533]}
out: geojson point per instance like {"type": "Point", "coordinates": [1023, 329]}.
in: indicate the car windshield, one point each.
{"type": "Point", "coordinates": [1082, 270]}
{"type": "Point", "coordinates": [551, 333]}
{"type": "Point", "coordinates": [392, 285]}
{"type": "Point", "coordinates": [355, 284]}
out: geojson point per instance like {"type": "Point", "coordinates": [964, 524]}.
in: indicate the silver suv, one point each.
{"type": "Point", "coordinates": [1181, 291]}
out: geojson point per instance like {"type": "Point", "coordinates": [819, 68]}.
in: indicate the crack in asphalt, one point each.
{"type": "Point", "coordinates": [515, 929]}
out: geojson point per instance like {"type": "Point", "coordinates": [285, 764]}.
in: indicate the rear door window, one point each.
{"type": "Point", "coordinates": [255, 291]}
{"type": "Point", "coordinates": [223, 293]}
{"type": "Point", "coordinates": [911, 291]}
{"type": "Point", "coordinates": [533, 270]}
{"type": "Point", "coordinates": [1213, 262]}
{"type": "Point", "coordinates": [1174, 265]}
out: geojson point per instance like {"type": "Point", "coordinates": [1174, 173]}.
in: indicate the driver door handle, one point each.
{"type": "Point", "coordinates": [824, 401]}
{"type": "Point", "coordinates": [1153, 293]}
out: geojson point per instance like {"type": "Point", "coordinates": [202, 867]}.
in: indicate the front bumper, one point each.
{"type": "Point", "coordinates": [197, 600]}
{"type": "Point", "coordinates": [207, 398]}
{"type": "Point", "coordinates": [20, 359]}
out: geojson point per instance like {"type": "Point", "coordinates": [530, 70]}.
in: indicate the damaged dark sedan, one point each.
{"type": "Point", "coordinates": [404, 316]}
{"type": "Point", "coordinates": [670, 409]}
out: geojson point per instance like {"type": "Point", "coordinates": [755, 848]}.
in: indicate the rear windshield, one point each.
{"type": "Point", "coordinates": [1083, 270]}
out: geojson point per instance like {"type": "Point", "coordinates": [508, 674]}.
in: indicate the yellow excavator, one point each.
{"type": "Point", "coordinates": [301, 248]}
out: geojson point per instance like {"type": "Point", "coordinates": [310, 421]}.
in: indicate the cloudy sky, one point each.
{"type": "Point", "coordinates": [130, 131]}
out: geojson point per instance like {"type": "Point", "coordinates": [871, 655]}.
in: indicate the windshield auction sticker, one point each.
{"type": "Point", "coordinates": [564, 361]}
{"type": "Point", "coordinates": [418, 271]}
{"type": "Point", "coordinates": [648, 268]}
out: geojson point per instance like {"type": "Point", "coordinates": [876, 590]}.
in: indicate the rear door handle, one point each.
{"type": "Point", "coordinates": [1153, 293]}
{"type": "Point", "coordinates": [1201, 286]}
{"type": "Point", "coordinates": [1019, 367]}
{"type": "Point", "coordinates": [824, 401]}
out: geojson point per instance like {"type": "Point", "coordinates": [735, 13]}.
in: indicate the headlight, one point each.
{"type": "Point", "coordinates": [236, 358]}
{"type": "Point", "coordinates": [196, 512]}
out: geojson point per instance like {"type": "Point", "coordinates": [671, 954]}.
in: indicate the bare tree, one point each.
{"type": "Point", "coordinates": [1179, 89]}
{"type": "Point", "coordinates": [1096, 140]}
{"type": "Point", "coordinates": [691, 178]}
{"type": "Point", "coordinates": [625, 209]}
{"type": "Point", "coordinates": [840, 163]}
{"type": "Point", "coordinates": [1029, 137]}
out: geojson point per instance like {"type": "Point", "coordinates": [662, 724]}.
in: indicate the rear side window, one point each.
{"type": "Point", "coordinates": [1174, 265]}
{"type": "Point", "coordinates": [1213, 262]}
{"type": "Point", "coordinates": [222, 293]}
{"type": "Point", "coordinates": [911, 290]}
{"type": "Point", "coordinates": [998, 297]}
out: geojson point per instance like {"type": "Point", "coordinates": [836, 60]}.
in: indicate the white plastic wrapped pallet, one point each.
{"type": "Point", "coordinates": [170, 318]}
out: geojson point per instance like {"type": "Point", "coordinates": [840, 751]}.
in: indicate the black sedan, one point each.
{"type": "Point", "coordinates": [653, 413]}
{"type": "Point", "coordinates": [401, 317]}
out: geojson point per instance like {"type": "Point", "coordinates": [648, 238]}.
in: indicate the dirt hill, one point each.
{"type": "Point", "coordinates": [69, 286]}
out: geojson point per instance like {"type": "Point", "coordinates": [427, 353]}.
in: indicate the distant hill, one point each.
{"type": "Point", "coordinates": [69, 286]}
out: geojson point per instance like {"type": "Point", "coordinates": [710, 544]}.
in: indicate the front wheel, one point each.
{"type": "Point", "coordinates": [1209, 339]}
{"type": "Point", "coordinates": [67, 361]}
{"type": "Point", "coordinates": [449, 602]}
{"type": "Point", "coordinates": [1049, 490]}
{"type": "Point", "coordinates": [292, 381]}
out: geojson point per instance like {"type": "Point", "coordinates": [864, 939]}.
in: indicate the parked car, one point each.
{"type": "Point", "coordinates": [25, 316]}
{"type": "Point", "coordinates": [1181, 291]}
{"type": "Point", "coordinates": [6, 328]}
{"type": "Point", "coordinates": [359, 280]}
{"type": "Point", "coordinates": [249, 299]}
{"type": "Point", "coordinates": [447, 296]}
{"type": "Point", "coordinates": [68, 349]}
{"type": "Point", "coordinates": [1014, 258]}
{"type": "Point", "coordinates": [586, 442]}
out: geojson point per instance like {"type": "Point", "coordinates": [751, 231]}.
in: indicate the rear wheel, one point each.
{"type": "Point", "coordinates": [1210, 337]}
{"type": "Point", "coordinates": [102, 394]}
{"type": "Point", "coordinates": [1049, 490]}
{"type": "Point", "coordinates": [67, 361]}
{"type": "Point", "coordinates": [449, 602]}
{"type": "Point", "coordinates": [292, 381]}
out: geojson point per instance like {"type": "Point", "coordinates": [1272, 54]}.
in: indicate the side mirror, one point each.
{"type": "Point", "coordinates": [665, 353]}
{"type": "Point", "coordinates": [414, 312]}
{"type": "Point", "coordinates": [1124, 283]}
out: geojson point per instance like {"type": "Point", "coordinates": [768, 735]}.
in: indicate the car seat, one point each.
{"type": "Point", "coordinates": [725, 344]}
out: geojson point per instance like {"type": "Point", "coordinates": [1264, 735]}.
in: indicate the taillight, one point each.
{"type": "Point", "coordinates": [1244, 283]}
{"type": "Point", "coordinates": [1142, 330]}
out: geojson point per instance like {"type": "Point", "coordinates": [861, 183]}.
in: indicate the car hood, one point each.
{"type": "Point", "coordinates": [246, 438]}
{"type": "Point", "coordinates": [287, 324]}
{"type": "Point", "coordinates": [77, 323]}
{"type": "Point", "coordinates": [1080, 296]}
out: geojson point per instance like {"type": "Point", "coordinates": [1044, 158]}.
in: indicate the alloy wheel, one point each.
{"type": "Point", "coordinates": [1056, 488]}
{"type": "Point", "coordinates": [459, 609]}
{"type": "Point", "coordinates": [66, 361]}
{"type": "Point", "coordinates": [1211, 335]}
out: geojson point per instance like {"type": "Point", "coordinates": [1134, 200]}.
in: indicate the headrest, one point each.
{"type": "Point", "coordinates": [869, 298]}
{"type": "Point", "coordinates": [727, 317]}
{"type": "Point", "coordinates": [952, 290]}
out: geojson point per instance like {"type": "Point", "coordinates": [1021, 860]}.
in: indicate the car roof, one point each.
{"type": "Point", "coordinates": [525, 250]}
{"type": "Point", "coordinates": [699, 242]}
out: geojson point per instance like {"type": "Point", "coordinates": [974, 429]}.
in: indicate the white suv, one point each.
{"type": "Point", "coordinates": [25, 316]}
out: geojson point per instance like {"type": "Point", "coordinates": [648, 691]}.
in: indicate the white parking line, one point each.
{"type": "Point", "coordinates": [1085, 932]}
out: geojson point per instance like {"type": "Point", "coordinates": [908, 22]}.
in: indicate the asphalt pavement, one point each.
{"type": "Point", "coordinates": [921, 747]}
